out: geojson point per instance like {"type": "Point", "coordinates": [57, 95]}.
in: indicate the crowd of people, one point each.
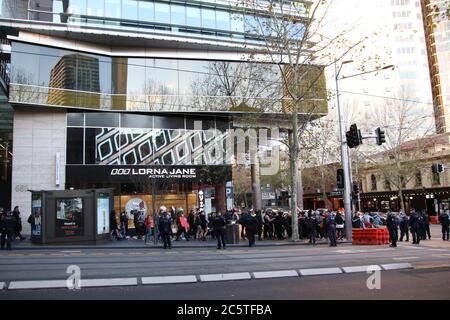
{"type": "Point", "coordinates": [269, 224]}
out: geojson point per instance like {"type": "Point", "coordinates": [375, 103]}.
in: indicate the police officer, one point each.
{"type": "Point", "coordinates": [331, 229]}
{"type": "Point", "coordinates": [426, 225]}
{"type": "Point", "coordinates": [165, 227]}
{"type": "Point", "coordinates": [251, 227]}
{"type": "Point", "coordinates": [392, 225]}
{"type": "Point", "coordinates": [445, 222]}
{"type": "Point", "coordinates": [218, 224]}
{"type": "Point", "coordinates": [312, 227]}
{"type": "Point", "coordinates": [7, 227]}
{"type": "Point", "coordinates": [414, 226]}
{"type": "Point", "coordinates": [404, 221]}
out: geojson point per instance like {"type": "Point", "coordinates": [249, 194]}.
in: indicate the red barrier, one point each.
{"type": "Point", "coordinates": [373, 236]}
{"type": "Point", "coordinates": [434, 219]}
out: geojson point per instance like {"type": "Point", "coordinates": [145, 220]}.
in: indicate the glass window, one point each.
{"type": "Point", "coordinates": [112, 9]}
{"type": "Point", "coordinates": [75, 119]}
{"type": "Point", "coordinates": [162, 79]}
{"type": "Point", "coordinates": [146, 11]}
{"type": "Point", "coordinates": [77, 7]}
{"type": "Point", "coordinates": [208, 18]}
{"type": "Point", "coordinates": [193, 17]}
{"type": "Point", "coordinates": [102, 119]}
{"type": "Point", "coordinates": [178, 14]}
{"type": "Point", "coordinates": [130, 9]}
{"type": "Point", "coordinates": [95, 8]}
{"type": "Point", "coordinates": [193, 74]}
{"type": "Point", "coordinates": [237, 22]}
{"type": "Point", "coordinates": [251, 24]}
{"type": "Point", "coordinates": [74, 146]}
{"type": "Point", "coordinates": [167, 122]}
{"type": "Point", "coordinates": [162, 12]}
{"type": "Point", "coordinates": [90, 145]}
{"type": "Point", "coordinates": [136, 76]}
{"type": "Point", "coordinates": [223, 20]}
{"type": "Point", "coordinates": [24, 63]}
{"type": "Point", "coordinates": [50, 68]}
{"type": "Point", "coordinates": [129, 120]}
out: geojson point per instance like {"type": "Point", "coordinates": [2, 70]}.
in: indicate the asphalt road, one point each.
{"type": "Point", "coordinates": [430, 283]}
{"type": "Point", "coordinates": [48, 265]}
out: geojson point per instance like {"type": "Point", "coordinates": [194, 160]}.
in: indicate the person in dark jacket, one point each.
{"type": "Point", "coordinates": [268, 225]}
{"type": "Point", "coordinates": [392, 225]}
{"type": "Point", "coordinates": [251, 227]}
{"type": "Point", "coordinates": [260, 223]}
{"type": "Point", "coordinates": [331, 229]}
{"type": "Point", "coordinates": [8, 224]}
{"type": "Point", "coordinates": [18, 226]}
{"type": "Point", "coordinates": [113, 225]}
{"type": "Point", "coordinates": [165, 227]}
{"type": "Point", "coordinates": [312, 227]}
{"type": "Point", "coordinates": [414, 226]}
{"type": "Point", "coordinates": [279, 230]}
{"type": "Point", "coordinates": [426, 225]}
{"type": "Point", "coordinates": [124, 223]}
{"type": "Point", "coordinates": [218, 224]}
{"type": "Point", "coordinates": [404, 222]}
{"type": "Point", "coordinates": [445, 223]}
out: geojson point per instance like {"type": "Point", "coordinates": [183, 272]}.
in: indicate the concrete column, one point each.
{"type": "Point", "coordinates": [37, 136]}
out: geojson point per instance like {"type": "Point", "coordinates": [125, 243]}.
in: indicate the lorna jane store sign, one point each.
{"type": "Point", "coordinates": [134, 174]}
{"type": "Point", "coordinates": [156, 173]}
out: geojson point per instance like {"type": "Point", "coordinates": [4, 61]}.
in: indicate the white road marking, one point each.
{"type": "Point", "coordinates": [225, 276]}
{"type": "Point", "coordinates": [275, 274]}
{"type": "Point", "coordinates": [319, 271]}
{"type": "Point", "coordinates": [169, 279]}
{"type": "Point", "coordinates": [441, 255]}
{"type": "Point", "coordinates": [397, 266]}
{"type": "Point", "coordinates": [360, 268]}
{"type": "Point", "coordinates": [42, 284]}
{"type": "Point", "coordinates": [405, 258]}
{"type": "Point", "coordinates": [108, 282]}
{"type": "Point", "coordinates": [2, 285]}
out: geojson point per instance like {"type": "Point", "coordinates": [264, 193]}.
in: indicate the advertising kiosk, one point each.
{"type": "Point", "coordinates": [71, 216]}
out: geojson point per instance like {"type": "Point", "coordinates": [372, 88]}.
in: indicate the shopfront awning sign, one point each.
{"type": "Point", "coordinates": [268, 195]}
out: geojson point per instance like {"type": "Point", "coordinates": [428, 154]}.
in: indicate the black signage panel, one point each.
{"type": "Point", "coordinates": [142, 174]}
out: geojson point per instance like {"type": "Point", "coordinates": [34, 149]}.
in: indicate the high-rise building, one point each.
{"type": "Point", "coordinates": [436, 21]}
{"type": "Point", "coordinates": [120, 93]}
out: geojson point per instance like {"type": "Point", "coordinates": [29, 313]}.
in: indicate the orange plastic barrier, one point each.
{"type": "Point", "coordinates": [434, 219]}
{"type": "Point", "coordinates": [373, 236]}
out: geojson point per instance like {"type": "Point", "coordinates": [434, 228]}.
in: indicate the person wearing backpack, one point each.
{"type": "Point", "coordinates": [444, 219]}
{"type": "Point", "coordinates": [339, 226]}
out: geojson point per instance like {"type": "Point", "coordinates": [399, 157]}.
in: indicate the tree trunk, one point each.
{"type": "Point", "coordinates": [400, 198]}
{"type": "Point", "coordinates": [300, 204]}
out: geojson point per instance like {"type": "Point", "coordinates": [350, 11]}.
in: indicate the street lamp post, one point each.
{"type": "Point", "coordinates": [344, 159]}
{"type": "Point", "coordinates": [344, 148]}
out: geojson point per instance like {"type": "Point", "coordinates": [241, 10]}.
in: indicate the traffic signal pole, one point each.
{"type": "Point", "coordinates": [345, 163]}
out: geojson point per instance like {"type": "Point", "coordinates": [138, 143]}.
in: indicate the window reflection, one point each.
{"type": "Point", "coordinates": [208, 18]}
{"type": "Point", "coordinates": [193, 17]}
{"type": "Point", "coordinates": [112, 9]}
{"type": "Point", "coordinates": [146, 11]}
{"type": "Point", "coordinates": [95, 8]}
{"type": "Point", "coordinates": [178, 14]}
{"type": "Point", "coordinates": [129, 9]}
{"type": "Point", "coordinates": [162, 12]}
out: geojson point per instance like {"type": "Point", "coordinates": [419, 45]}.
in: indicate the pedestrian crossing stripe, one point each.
{"type": "Point", "coordinates": [116, 254]}
{"type": "Point", "coordinates": [36, 254]}
{"type": "Point", "coordinates": [16, 254]}
{"type": "Point", "coordinates": [57, 254]}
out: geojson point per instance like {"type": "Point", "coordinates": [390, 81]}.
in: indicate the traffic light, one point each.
{"type": "Point", "coordinates": [381, 137]}
{"type": "Point", "coordinates": [355, 187]}
{"type": "Point", "coordinates": [354, 137]}
{"type": "Point", "coordinates": [340, 178]}
{"type": "Point", "coordinates": [437, 168]}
